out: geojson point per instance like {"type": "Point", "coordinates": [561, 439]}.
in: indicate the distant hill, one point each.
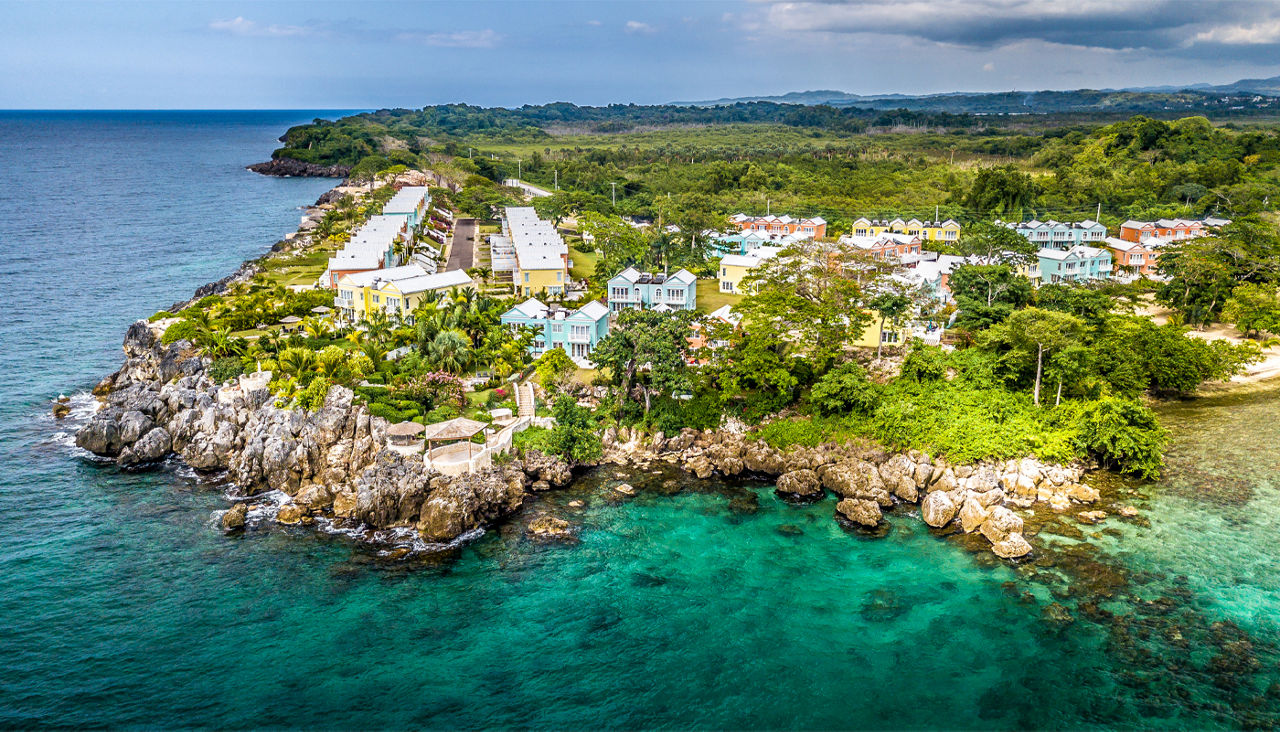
{"type": "Point", "coordinates": [1238, 95]}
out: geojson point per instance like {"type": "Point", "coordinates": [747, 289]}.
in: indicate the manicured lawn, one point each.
{"type": "Point", "coordinates": [584, 264]}
{"type": "Point", "coordinates": [710, 297]}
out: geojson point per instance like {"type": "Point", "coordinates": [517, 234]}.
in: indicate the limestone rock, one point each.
{"type": "Point", "coordinates": [1000, 523]}
{"type": "Point", "coordinates": [860, 511]}
{"type": "Point", "coordinates": [1082, 493]}
{"type": "Point", "coordinates": [799, 484]}
{"type": "Point", "coordinates": [1012, 547]}
{"type": "Point", "coordinates": [625, 489]}
{"type": "Point", "coordinates": [937, 509]}
{"type": "Point", "coordinates": [289, 513]}
{"type": "Point", "coordinates": [234, 517]}
{"type": "Point", "coordinates": [972, 514]}
{"type": "Point", "coordinates": [550, 528]}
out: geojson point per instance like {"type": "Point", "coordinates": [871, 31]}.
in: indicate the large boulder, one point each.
{"type": "Point", "coordinates": [898, 474]}
{"type": "Point", "coordinates": [860, 511]}
{"type": "Point", "coordinates": [1000, 523]}
{"type": "Point", "coordinates": [1011, 547]}
{"type": "Point", "coordinates": [234, 517]}
{"type": "Point", "coordinates": [760, 458]}
{"type": "Point", "coordinates": [1082, 493]}
{"type": "Point", "coordinates": [551, 468]}
{"type": "Point", "coordinates": [153, 446]}
{"type": "Point", "coordinates": [550, 528]}
{"type": "Point", "coordinates": [972, 514]}
{"type": "Point", "coordinates": [856, 479]}
{"type": "Point", "coordinates": [938, 509]}
{"type": "Point", "coordinates": [802, 484]}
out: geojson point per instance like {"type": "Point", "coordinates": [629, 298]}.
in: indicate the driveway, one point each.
{"type": "Point", "coordinates": [462, 254]}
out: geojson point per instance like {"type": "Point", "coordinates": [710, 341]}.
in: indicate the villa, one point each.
{"type": "Point", "coordinates": [632, 288]}
{"type": "Point", "coordinates": [372, 246]}
{"type": "Point", "coordinates": [815, 228]}
{"type": "Point", "coordinates": [734, 267]}
{"type": "Point", "coordinates": [1140, 231]}
{"type": "Point", "coordinates": [1079, 263]}
{"type": "Point", "coordinates": [934, 231]}
{"type": "Point", "coordinates": [1059, 235]}
{"type": "Point", "coordinates": [575, 331]}
{"type": "Point", "coordinates": [533, 251]}
{"type": "Point", "coordinates": [397, 291]}
{"type": "Point", "coordinates": [883, 246]}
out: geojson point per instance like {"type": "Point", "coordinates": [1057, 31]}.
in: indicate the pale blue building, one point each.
{"type": "Point", "coordinates": [1077, 264]}
{"type": "Point", "coordinates": [575, 331]}
{"type": "Point", "coordinates": [632, 288]}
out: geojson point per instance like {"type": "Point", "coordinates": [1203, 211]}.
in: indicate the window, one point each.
{"type": "Point", "coordinates": [375, 297]}
{"type": "Point", "coordinates": [559, 276]}
{"type": "Point", "coordinates": [344, 294]}
{"type": "Point", "coordinates": [557, 328]}
{"type": "Point", "coordinates": [580, 331]}
{"type": "Point", "coordinates": [526, 279]}
{"type": "Point", "coordinates": [888, 336]}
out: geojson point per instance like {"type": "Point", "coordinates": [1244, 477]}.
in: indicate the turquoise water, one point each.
{"type": "Point", "coordinates": [694, 605]}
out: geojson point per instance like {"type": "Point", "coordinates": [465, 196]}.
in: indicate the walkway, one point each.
{"type": "Point", "coordinates": [524, 399]}
{"type": "Point", "coordinates": [462, 252]}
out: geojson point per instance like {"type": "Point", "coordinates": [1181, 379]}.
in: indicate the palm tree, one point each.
{"type": "Point", "coordinates": [315, 327]}
{"type": "Point", "coordinates": [378, 325]}
{"type": "Point", "coordinates": [374, 351]}
{"type": "Point", "coordinates": [450, 351]}
{"type": "Point", "coordinates": [297, 361]}
{"type": "Point", "coordinates": [219, 343]}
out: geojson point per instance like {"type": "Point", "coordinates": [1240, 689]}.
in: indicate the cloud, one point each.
{"type": "Point", "coordinates": [1243, 35]}
{"type": "Point", "coordinates": [635, 26]}
{"type": "Point", "coordinates": [242, 26]}
{"type": "Point", "coordinates": [1101, 24]}
{"type": "Point", "coordinates": [989, 66]}
{"type": "Point", "coordinates": [595, 22]}
{"type": "Point", "coordinates": [487, 38]}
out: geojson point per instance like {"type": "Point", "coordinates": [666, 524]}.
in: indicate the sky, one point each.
{"type": "Point", "coordinates": [356, 55]}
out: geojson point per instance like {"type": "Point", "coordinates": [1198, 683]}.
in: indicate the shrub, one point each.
{"type": "Point", "coordinates": [533, 438]}
{"type": "Point", "coordinates": [575, 437]}
{"type": "Point", "coordinates": [312, 397]}
{"type": "Point", "coordinates": [924, 363]}
{"type": "Point", "coordinates": [225, 369]}
{"type": "Point", "coordinates": [1123, 433]}
{"type": "Point", "coordinates": [183, 330]}
{"type": "Point", "coordinates": [844, 389]}
{"type": "Point", "coordinates": [387, 412]}
{"type": "Point", "coordinates": [161, 315]}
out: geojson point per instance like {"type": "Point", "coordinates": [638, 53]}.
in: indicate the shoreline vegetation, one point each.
{"type": "Point", "coordinates": [1031, 388]}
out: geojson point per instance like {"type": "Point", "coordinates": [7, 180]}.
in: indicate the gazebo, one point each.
{"type": "Point", "coordinates": [289, 321]}
{"type": "Point", "coordinates": [458, 428]}
{"type": "Point", "coordinates": [403, 433]}
{"type": "Point", "coordinates": [321, 309]}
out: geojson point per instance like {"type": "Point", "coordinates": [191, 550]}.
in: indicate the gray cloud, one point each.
{"type": "Point", "coordinates": [1100, 24]}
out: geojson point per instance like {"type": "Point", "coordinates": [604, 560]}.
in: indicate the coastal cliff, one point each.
{"type": "Point", "coordinates": [329, 463]}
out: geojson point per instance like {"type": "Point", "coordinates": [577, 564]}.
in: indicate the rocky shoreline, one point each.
{"type": "Point", "coordinates": [333, 464]}
{"type": "Point", "coordinates": [290, 168]}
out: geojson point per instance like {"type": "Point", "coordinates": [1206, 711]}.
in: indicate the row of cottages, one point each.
{"type": "Point", "coordinates": [1077, 264]}
{"type": "Point", "coordinates": [575, 331]}
{"type": "Point", "coordinates": [1059, 234]}
{"type": "Point", "coordinates": [887, 245]}
{"type": "Point", "coordinates": [374, 245]}
{"type": "Point", "coordinates": [734, 267]}
{"type": "Point", "coordinates": [815, 228]}
{"type": "Point", "coordinates": [632, 288]}
{"type": "Point", "coordinates": [1140, 231]}
{"type": "Point", "coordinates": [940, 231]}
{"type": "Point", "coordinates": [532, 251]}
{"type": "Point", "coordinates": [397, 291]}
{"type": "Point", "coordinates": [749, 241]}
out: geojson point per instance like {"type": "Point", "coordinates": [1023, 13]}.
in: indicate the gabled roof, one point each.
{"type": "Point", "coordinates": [725, 313]}
{"type": "Point", "coordinates": [593, 310]}
{"type": "Point", "coordinates": [437, 281]}
{"type": "Point", "coordinates": [531, 308]}
{"type": "Point", "coordinates": [683, 276]}
{"type": "Point", "coordinates": [630, 274]}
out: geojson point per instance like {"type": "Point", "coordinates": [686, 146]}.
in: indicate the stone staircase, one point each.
{"type": "Point", "coordinates": [524, 399]}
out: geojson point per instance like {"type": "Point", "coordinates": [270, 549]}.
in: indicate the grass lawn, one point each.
{"type": "Point", "coordinates": [711, 298]}
{"type": "Point", "coordinates": [584, 264]}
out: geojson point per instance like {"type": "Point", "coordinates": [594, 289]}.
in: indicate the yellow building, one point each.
{"type": "Point", "coordinates": [734, 267]}
{"type": "Point", "coordinates": [874, 335]}
{"type": "Point", "coordinates": [540, 271]}
{"type": "Point", "coordinates": [397, 291]}
{"type": "Point", "coordinates": [935, 231]}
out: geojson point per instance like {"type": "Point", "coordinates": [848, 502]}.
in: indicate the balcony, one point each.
{"type": "Point", "coordinates": [344, 302]}
{"type": "Point", "coordinates": [580, 335]}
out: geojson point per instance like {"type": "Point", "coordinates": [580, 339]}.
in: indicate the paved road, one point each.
{"type": "Point", "coordinates": [462, 254]}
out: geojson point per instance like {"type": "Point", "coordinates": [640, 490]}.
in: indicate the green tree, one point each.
{"type": "Point", "coordinates": [297, 362]}
{"type": "Point", "coordinates": [655, 340]}
{"type": "Point", "coordinates": [996, 244]}
{"type": "Point", "coordinates": [1000, 189]}
{"type": "Point", "coordinates": [987, 293]}
{"type": "Point", "coordinates": [555, 369]}
{"type": "Point", "coordinates": [845, 389]}
{"type": "Point", "coordinates": [1254, 308]}
{"type": "Point", "coordinates": [575, 436]}
{"type": "Point", "coordinates": [1029, 335]}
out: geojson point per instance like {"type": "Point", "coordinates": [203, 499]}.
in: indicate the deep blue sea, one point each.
{"type": "Point", "coordinates": [707, 605]}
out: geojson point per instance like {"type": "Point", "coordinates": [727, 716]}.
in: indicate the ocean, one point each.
{"type": "Point", "coordinates": [695, 604]}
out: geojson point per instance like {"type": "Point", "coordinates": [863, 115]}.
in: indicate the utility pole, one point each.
{"type": "Point", "coordinates": [557, 175]}
{"type": "Point", "coordinates": [519, 168]}
{"type": "Point", "coordinates": [468, 153]}
{"type": "Point", "coordinates": [615, 194]}
{"type": "Point", "coordinates": [768, 207]}
{"type": "Point", "coordinates": [1099, 211]}
{"type": "Point", "coordinates": [935, 213]}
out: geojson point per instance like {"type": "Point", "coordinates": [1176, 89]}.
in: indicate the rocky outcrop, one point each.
{"type": "Point", "coordinates": [550, 528]}
{"type": "Point", "coordinates": [290, 168]}
{"type": "Point", "coordinates": [329, 462]}
{"type": "Point", "coordinates": [980, 498]}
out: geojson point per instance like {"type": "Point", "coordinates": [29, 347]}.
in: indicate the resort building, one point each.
{"type": "Point", "coordinates": [1135, 259]}
{"type": "Point", "coordinates": [372, 246]}
{"type": "Point", "coordinates": [1077, 264]}
{"type": "Point", "coordinates": [733, 267]}
{"type": "Point", "coordinates": [410, 203]}
{"type": "Point", "coordinates": [575, 331]}
{"type": "Point", "coordinates": [1059, 235]}
{"type": "Point", "coordinates": [815, 228]}
{"type": "Point", "coordinates": [933, 231]}
{"type": "Point", "coordinates": [397, 291]}
{"type": "Point", "coordinates": [1174, 229]}
{"type": "Point", "coordinates": [533, 251]}
{"type": "Point", "coordinates": [632, 288]}
{"type": "Point", "coordinates": [883, 246]}
{"type": "Point", "coordinates": [749, 241]}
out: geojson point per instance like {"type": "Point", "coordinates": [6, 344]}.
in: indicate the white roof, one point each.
{"type": "Point", "coordinates": [391, 274]}
{"type": "Point", "coordinates": [1079, 251]}
{"type": "Point", "coordinates": [725, 313]}
{"type": "Point", "coordinates": [406, 200]}
{"type": "Point", "coordinates": [683, 276]}
{"type": "Point", "coordinates": [1122, 245]}
{"type": "Point", "coordinates": [630, 274]}
{"type": "Point", "coordinates": [593, 310]}
{"type": "Point", "coordinates": [531, 308]}
{"type": "Point", "coordinates": [437, 281]}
